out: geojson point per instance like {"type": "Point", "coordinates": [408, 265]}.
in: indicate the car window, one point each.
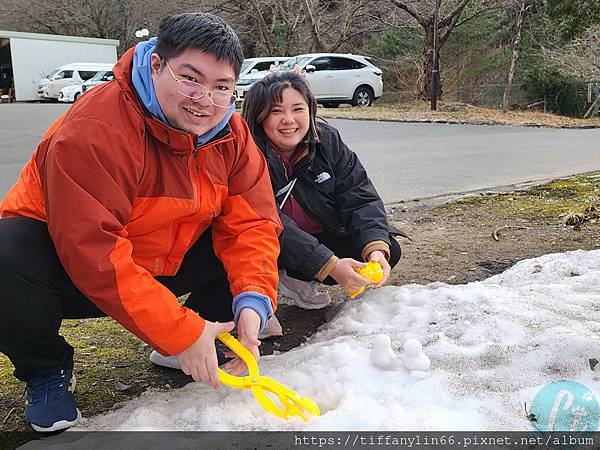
{"type": "Point", "coordinates": [358, 64]}
{"type": "Point", "coordinates": [290, 63]}
{"type": "Point", "coordinates": [322, 63]}
{"type": "Point", "coordinates": [103, 75]}
{"type": "Point", "coordinates": [346, 64]}
{"type": "Point", "coordinates": [87, 74]}
{"type": "Point", "coordinates": [264, 65]}
{"type": "Point", "coordinates": [245, 65]}
{"type": "Point", "coordinates": [63, 74]}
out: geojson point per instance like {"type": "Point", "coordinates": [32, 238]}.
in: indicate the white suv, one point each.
{"type": "Point", "coordinates": [340, 78]}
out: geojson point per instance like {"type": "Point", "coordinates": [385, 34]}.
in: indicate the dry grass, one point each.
{"type": "Point", "coordinates": [419, 111]}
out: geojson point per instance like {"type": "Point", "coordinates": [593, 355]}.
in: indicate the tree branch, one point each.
{"type": "Point", "coordinates": [413, 12]}
{"type": "Point", "coordinates": [446, 21]}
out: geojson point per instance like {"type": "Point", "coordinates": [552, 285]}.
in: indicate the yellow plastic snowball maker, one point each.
{"type": "Point", "coordinates": [293, 404]}
{"type": "Point", "coordinates": [373, 272]}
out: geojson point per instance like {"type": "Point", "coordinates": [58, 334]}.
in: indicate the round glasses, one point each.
{"type": "Point", "coordinates": [195, 91]}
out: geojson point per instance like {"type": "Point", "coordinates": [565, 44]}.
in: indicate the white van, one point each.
{"type": "Point", "coordinates": [69, 75]}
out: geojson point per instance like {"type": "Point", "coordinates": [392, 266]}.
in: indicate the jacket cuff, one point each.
{"type": "Point", "coordinates": [259, 303]}
{"type": "Point", "coordinates": [327, 268]}
{"type": "Point", "coordinates": [375, 245]}
{"type": "Point", "coordinates": [187, 333]}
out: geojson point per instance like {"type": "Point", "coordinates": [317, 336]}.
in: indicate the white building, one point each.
{"type": "Point", "coordinates": [26, 58]}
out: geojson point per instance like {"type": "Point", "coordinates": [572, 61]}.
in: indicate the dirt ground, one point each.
{"type": "Point", "coordinates": [452, 243]}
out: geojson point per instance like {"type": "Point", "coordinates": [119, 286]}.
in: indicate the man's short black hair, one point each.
{"type": "Point", "coordinates": [203, 31]}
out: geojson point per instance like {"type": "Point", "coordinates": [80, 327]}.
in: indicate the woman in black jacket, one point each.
{"type": "Point", "coordinates": [333, 218]}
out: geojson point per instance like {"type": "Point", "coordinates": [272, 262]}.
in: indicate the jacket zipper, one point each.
{"type": "Point", "coordinates": [195, 156]}
{"type": "Point", "coordinates": [197, 181]}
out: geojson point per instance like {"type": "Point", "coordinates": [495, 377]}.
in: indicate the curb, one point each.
{"type": "Point", "coordinates": [465, 122]}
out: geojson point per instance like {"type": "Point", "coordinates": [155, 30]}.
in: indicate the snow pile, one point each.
{"type": "Point", "coordinates": [491, 346]}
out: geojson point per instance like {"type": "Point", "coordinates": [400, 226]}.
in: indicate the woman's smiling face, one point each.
{"type": "Point", "coordinates": [288, 121]}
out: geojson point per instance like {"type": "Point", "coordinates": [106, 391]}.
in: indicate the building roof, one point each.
{"type": "Point", "coordinates": [57, 37]}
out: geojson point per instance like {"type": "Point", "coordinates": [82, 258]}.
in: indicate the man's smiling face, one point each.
{"type": "Point", "coordinates": [194, 116]}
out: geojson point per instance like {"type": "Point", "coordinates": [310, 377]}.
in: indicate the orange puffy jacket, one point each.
{"type": "Point", "coordinates": [125, 196]}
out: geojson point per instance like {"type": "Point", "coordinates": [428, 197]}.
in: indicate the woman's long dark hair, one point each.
{"type": "Point", "coordinates": [264, 93]}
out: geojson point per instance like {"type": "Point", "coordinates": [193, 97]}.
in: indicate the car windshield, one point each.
{"type": "Point", "coordinates": [103, 75]}
{"type": "Point", "coordinates": [245, 65]}
{"type": "Point", "coordinates": [51, 74]}
{"type": "Point", "coordinates": [290, 63]}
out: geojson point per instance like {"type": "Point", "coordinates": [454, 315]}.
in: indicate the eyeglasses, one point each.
{"type": "Point", "coordinates": [195, 91]}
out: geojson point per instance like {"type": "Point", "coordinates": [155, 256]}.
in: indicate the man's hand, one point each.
{"type": "Point", "coordinates": [379, 256]}
{"type": "Point", "coordinates": [343, 272]}
{"type": "Point", "coordinates": [200, 359]}
{"type": "Point", "coordinates": [248, 327]}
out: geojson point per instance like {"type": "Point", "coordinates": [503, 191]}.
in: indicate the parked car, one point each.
{"type": "Point", "coordinates": [254, 69]}
{"type": "Point", "coordinates": [71, 93]}
{"type": "Point", "coordinates": [340, 78]}
{"type": "Point", "coordinates": [104, 76]}
{"type": "Point", "coordinates": [261, 64]}
{"type": "Point", "coordinates": [68, 75]}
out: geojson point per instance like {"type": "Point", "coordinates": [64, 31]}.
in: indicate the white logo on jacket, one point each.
{"type": "Point", "coordinates": [322, 177]}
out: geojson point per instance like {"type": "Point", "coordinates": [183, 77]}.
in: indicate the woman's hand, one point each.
{"type": "Point", "coordinates": [200, 359]}
{"type": "Point", "coordinates": [379, 256]}
{"type": "Point", "coordinates": [343, 272]}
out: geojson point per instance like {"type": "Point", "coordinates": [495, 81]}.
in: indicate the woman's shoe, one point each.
{"type": "Point", "coordinates": [272, 329]}
{"type": "Point", "coordinates": [303, 293]}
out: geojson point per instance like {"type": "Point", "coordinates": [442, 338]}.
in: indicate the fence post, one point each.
{"type": "Point", "coordinates": [545, 104]}
{"type": "Point", "coordinates": [597, 94]}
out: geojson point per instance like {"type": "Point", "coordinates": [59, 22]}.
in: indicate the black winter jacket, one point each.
{"type": "Point", "coordinates": [333, 188]}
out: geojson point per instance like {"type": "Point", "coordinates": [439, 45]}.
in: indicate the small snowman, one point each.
{"type": "Point", "coordinates": [382, 355]}
{"type": "Point", "coordinates": [415, 360]}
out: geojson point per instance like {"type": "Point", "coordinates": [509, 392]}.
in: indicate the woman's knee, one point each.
{"type": "Point", "coordinates": [395, 252]}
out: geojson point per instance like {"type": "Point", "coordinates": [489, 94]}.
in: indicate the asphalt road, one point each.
{"type": "Point", "coordinates": [415, 161]}
{"type": "Point", "coordinates": [405, 161]}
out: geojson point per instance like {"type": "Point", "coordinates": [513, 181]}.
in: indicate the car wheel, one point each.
{"type": "Point", "coordinates": [331, 104]}
{"type": "Point", "coordinates": [76, 96]}
{"type": "Point", "coordinates": [363, 96]}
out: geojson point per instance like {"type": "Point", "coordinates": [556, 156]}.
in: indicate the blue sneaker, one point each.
{"type": "Point", "coordinates": [51, 404]}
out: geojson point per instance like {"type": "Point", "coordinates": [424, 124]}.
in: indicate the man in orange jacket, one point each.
{"type": "Point", "coordinates": [149, 187]}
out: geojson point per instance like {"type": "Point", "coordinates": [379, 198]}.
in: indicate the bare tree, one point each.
{"type": "Point", "coordinates": [580, 59]}
{"type": "Point", "coordinates": [274, 26]}
{"type": "Point", "coordinates": [116, 19]}
{"type": "Point", "coordinates": [285, 27]}
{"type": "Point", "coordinates": [337, 23]}
{"type": "Point", "coordinates": [520, 9]}
{"type": "Point", "coordinates": [452, 16]}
